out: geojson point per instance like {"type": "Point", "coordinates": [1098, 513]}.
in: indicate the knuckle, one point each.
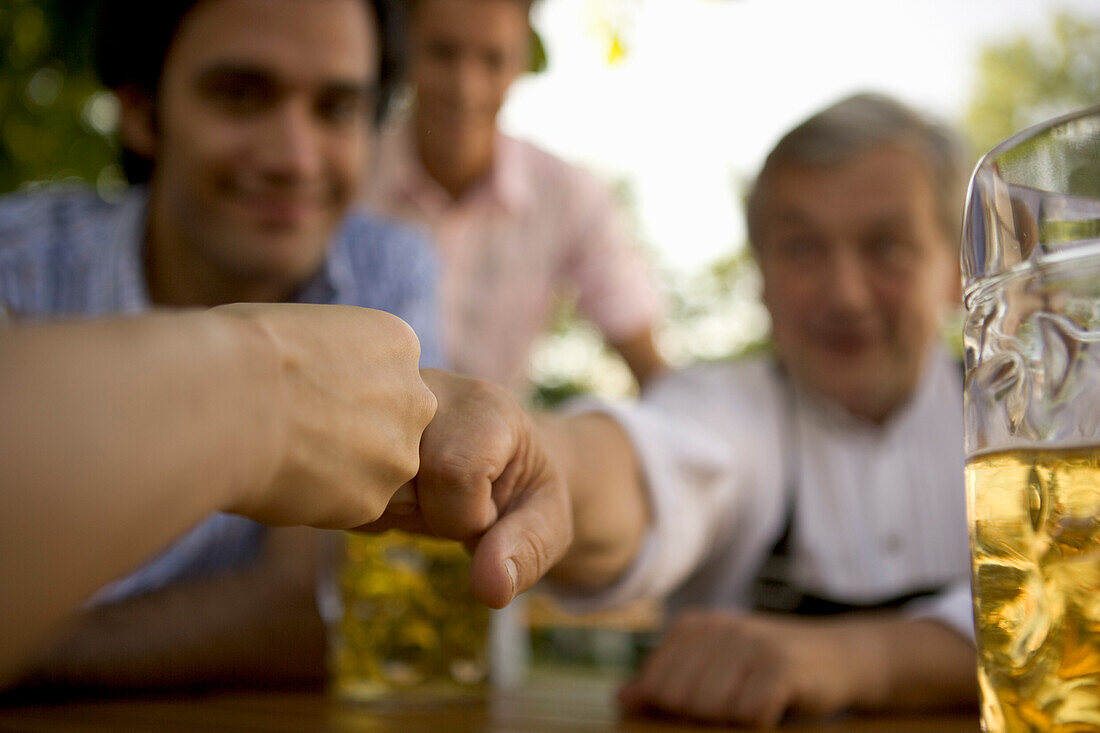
{"type": "Point", "coordinates": [399, 451]}
{"type": "Point", "coordinates": [770, 657]}
{"type": "Point", "coordinates": [534, 548]}
{"type": "Point", "coordinates": [483, 388]}
{"type": "Point", "coordinates": [780, 656]}
{"type": "Point", "coordinates": [423, 403]}
{"type": "Point", "coordinates": [371, 511]}
{"type": "Point", "coordinates": [491, 396]}
{"type": "Point", "coordinates": [408, 464]}
{"type": "Point", "coordinates": [394, 462]}
{"type": "Point", "coordinates": [353, 509]}
{"type": "Point", "coordinates": [451, 467]}
{"type": "Point", "coordinates": [400, 336]}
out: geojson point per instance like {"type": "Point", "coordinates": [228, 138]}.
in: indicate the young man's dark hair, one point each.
{"type": "Point", "coordinates": [132, 39]}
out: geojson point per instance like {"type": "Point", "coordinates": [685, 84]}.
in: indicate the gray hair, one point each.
{"type": "Point", "coordinates": [864, 121]}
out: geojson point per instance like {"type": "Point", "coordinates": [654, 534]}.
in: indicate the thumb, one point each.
{"type": "Point", "coordinates": [523, 545]}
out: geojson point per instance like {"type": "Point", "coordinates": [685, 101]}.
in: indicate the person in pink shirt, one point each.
{"type": "Point", "coordinates": [514, 225]}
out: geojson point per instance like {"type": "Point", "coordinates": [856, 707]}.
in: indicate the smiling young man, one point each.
{"type": "Point", "coordinates": [247, 125]}
{"type": "Point", "coordinates": [513, 225]}
{"type": "Point", "coordinates": [807, 507]}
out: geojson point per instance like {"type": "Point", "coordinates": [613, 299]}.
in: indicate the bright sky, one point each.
{"type": "Point", "coordinates": [707, 86]}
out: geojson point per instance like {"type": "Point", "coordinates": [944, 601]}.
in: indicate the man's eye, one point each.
{"type": "Point", "coordinates": [494, 60]}
{"type": "Point", "coordinates": [798, 248]}
{"type": "Point", "coordinates": [239, 97]}
{"type": "Point", "coordinates": [889, 250]}
{"type": "Point", "coordinates": [343, 108]}
{"type": "Point", "coordinates": [443, 52]}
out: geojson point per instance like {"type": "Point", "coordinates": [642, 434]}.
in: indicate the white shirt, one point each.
{"type": "Point", "coordinates": [880, 510]}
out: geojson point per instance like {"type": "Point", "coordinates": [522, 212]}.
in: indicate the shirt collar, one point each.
{"type": "Point", "coordinates": [120, 266]}
{"type": "Point", "coordinates": [507, 183]}
{"type": "Point", "coordinates": [926, 395]}
{"type": "Point", "coordinates": [335, 282]}
{"type": "Point", "coordinates": [511, 183]}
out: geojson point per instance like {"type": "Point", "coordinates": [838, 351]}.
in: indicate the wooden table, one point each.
{"type": "Point", "coordinates": [574, 704]}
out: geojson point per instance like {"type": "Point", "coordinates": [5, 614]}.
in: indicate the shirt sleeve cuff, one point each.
{"type": "Point", "coordinates": [953, 607]}
{"type": "Point", "coordinates": [673, 542]}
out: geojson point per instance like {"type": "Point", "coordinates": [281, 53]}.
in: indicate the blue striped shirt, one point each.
{"type": "Point", "coordinates": [69, 254]}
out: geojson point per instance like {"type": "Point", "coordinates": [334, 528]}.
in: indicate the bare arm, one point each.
{"type": "Point", "coordinates": [610, 511]}
{"type": "Point", "coordinates": [923, 664]}
{"type": "Point", "coordinates": [640, 354]}
{"type": "Point", "coordinates": [94, 416]}
{"type": "Point", "coordinates": [256, 626]}
{"type": "Point", "coordinates": [117, 436]}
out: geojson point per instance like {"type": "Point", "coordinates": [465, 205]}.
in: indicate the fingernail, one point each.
{"type": "Point", "coordinates": [513, 572]}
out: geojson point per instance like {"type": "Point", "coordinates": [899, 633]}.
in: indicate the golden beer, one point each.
{"type": "Point", "coordinates": [411, 630]}
{"type": "Point", "coordinates": [1035, 542]}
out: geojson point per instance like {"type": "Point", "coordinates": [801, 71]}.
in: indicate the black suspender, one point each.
{"type": "Point", "coordinates": [773, 589]}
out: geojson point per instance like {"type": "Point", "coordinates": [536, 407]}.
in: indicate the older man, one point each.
{"type": "Point", "coordinates": [824, 479]}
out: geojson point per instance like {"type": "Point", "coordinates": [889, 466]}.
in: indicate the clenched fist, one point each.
{"type": "Point", "coordinates": [486, 479]}
{"type": "Point", "coordinates": [348, 410]}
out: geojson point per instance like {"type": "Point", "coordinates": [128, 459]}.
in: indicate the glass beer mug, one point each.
{"type": "Point", "coordinates": [1031, 265]}
{"type": "Point", "coordinates": [404, 626]}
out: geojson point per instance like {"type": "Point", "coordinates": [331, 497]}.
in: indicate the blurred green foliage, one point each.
{"type": "Point", "coordinates": [538, 60]}
{"type": "Point", "coordinates": [1024, 80]}
{"type": "Point", "coordinates": [55, 120]}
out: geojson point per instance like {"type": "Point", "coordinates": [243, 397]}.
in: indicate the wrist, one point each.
{"type": "Point", "coordinates": [253, 384]}
{"type": "Point", "coordinates": [865, 649]}
{"type": "Point", "coordinates": [610, 514]}
{"type": "Point", "coordinates": [552, 431]}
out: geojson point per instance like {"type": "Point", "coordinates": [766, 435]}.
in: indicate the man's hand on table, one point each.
{"type": "Point", "coordinates": [752, 669]}
{"type": "Point", "coordinates": [486, 480]}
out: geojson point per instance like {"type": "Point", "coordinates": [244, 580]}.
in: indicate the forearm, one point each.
{"type": "Point", "coordinates": [116, 437]}
{"type": "Point", "coordinates": [640, 354]}
{"type": "Point", "coordinates": [911, 664]}
{"type": "Point", "coordinates": [257, 626]}
{"type": "Point", "coordinates": [610, 510]}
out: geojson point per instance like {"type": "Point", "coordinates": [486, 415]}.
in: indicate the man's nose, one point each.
{"type": "Point", "coordinates": [290, 147]}
{"type": "Point", "coordinates": [467, 80]}
{"type": "Point", "coordinates": [848, 283]}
